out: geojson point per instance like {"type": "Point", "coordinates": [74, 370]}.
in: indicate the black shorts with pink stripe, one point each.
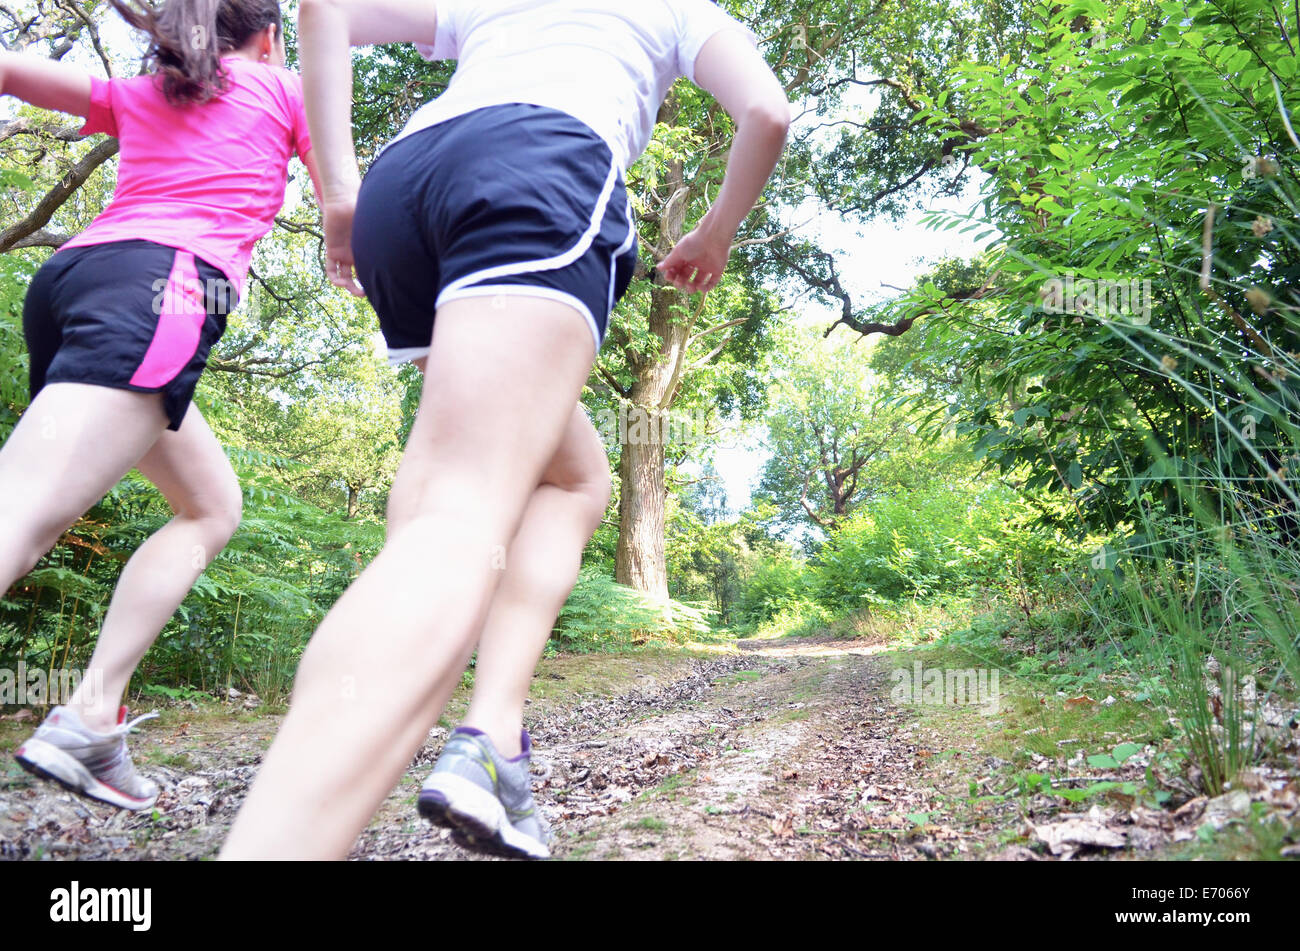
{"type": "Point", "coordinates": [132, 315]}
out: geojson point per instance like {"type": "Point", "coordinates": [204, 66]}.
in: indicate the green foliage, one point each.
{"type": "Point", "coordinates": [1135, 142]}
{"type": "Point", "coordinates": [601, 614]}
{"type": "Point", "coordinates": [778, 585]}
{"type": "Point", "coordinates": [247, 618]}
{"type": "Point", "coordinates": [945, 536]}
{"type": "Point", "coordinates": [1104, 146]}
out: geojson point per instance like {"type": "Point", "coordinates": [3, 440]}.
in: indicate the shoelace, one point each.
{"type": "Point", "coordinates": [122, 729]}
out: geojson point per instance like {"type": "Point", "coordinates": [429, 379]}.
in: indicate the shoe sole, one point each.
{"type": "Point", "coordinates": [455, 803]}
{"type": "Point", "coordinates": [49, 762]}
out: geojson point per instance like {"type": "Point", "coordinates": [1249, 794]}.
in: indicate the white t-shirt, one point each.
{"type": "Point", "coordinates": [609, 63]}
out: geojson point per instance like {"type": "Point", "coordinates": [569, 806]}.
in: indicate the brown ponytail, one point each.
{"type": "Point", "coordinates": [188, 37]}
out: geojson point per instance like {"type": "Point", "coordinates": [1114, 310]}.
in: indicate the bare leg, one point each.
{"type": "Point", "coordinates": [71, 446]}
{"type": "Point", "coordinates": [501, 386]}
{"type": "Point", "coordinates": [191, 471]}
{"type": "Point", "coordinates": [541, 566]}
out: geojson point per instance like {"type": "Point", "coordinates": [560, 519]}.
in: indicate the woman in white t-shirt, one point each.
{"type": "Point", "coordinates": [493, 238]}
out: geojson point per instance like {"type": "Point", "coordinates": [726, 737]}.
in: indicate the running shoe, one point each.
{"type": "Point", "coordinates": [485, 798]}
{"type": "Point", "coordinates": [92, 764]}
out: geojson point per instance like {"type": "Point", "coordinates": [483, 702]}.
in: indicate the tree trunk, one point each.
{"type": "Point", "coordinates": [657, 377]}
{"type": "Point", "coordinates": [639, 559]}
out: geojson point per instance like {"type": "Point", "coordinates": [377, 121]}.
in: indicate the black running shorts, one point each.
{"type": "Point", "coordinates": [510, 199]}
{"type": "Point", "coordinates": [133, 315]}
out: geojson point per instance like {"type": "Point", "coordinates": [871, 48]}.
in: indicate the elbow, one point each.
{"type": "Point", "coordinates": [311, 10]}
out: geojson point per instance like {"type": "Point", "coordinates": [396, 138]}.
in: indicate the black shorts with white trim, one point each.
{"type": "Point", "coordinates": [507, 200]}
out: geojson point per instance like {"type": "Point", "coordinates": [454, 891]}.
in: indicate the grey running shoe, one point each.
{"type": "Point", "coordinates": [485, 798]}
{"type": "Point", "coordinates": [93, 764]}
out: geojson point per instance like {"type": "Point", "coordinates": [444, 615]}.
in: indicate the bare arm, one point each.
{"type": "Point", "coordinates": [327, 29]}
{"type": "Point", "coordinates": [309, 160]}
{"type": "Point", "coordinates": [45, 83]}
{"type": "Point", "coordinates": [736, 74]}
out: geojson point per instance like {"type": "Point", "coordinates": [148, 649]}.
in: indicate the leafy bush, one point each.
{"type": "Point", "coordinates": [601, 613]}
{"type": "Point", "coordinates": [934, 539]}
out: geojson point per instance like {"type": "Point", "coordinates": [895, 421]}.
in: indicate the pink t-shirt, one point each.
{"type": "Point", "coordinates": [208, 179]}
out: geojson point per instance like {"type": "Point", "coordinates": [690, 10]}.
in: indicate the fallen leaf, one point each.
{"type": "Point", "coordinates": [1068, 834]}
{"type": "Point", "coordinates": [1083, 700]}
{"type": "Point", "coordinates": [1250, 780]}
{"type": "Point", "coordinates": [1221, 810]}
{"type": "Point", "coordinates": [1015, 853]}
{"type": "Point", "coordinates": [1190, 810]}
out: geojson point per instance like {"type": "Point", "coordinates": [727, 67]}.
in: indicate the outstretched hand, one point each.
{"type": "Point", "coordinates": [697, 262]}
{"type": "Point", "coordinates": [338, 215]}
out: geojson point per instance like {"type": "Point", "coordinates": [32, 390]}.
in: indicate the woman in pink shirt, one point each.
{"type": "Point", "coordinates": [119, 323]}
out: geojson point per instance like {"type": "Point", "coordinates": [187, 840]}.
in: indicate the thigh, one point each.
{"type": "Point", "coordinates": [580, 461]}
{"type": "Point", "coordinates": [72, 445]}
{"type": "Point", "coordinates": [501, 382]}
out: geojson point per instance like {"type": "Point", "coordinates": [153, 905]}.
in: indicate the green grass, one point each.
{"type": "Point", "coordinates": [741, 677]}
{"type": "Point", "coordinates": [175, 760]}
{"type": "Point", "coordinates": [673, 787]}
{"type": "Point", "coordinates": [1240, 840]}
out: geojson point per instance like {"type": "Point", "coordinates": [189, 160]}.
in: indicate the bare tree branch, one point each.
{"type": "Point", "coordinates": [31, 125]}
{"type": "Point", "coordinates": [39, 216]}
{"type": "Point", "coordinates": [42, 239]}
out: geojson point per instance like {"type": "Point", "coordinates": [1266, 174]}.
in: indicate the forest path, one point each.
{"type": "Point", "coordinates": [794, 751]}
{"type": "Point", "coordinates": [787, 749]}
{"type": "Point", "coordinates": [784, 749]}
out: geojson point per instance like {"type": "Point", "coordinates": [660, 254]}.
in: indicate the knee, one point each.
{"type": "Point", "coordinates": [592, 489]}
{"type": "Point", "coordinates": [220, 515]}
{"type": "Point", "coordinates": [231, 513]}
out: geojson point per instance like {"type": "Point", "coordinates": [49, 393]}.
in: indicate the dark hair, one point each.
{"type": "Point", "coordinates": [187, 38]}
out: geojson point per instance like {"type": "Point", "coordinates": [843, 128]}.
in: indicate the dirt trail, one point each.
{"type": "Point", "coordinates": [794, 752]}
{"type": "Point", "coordinates": [787, 749]}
